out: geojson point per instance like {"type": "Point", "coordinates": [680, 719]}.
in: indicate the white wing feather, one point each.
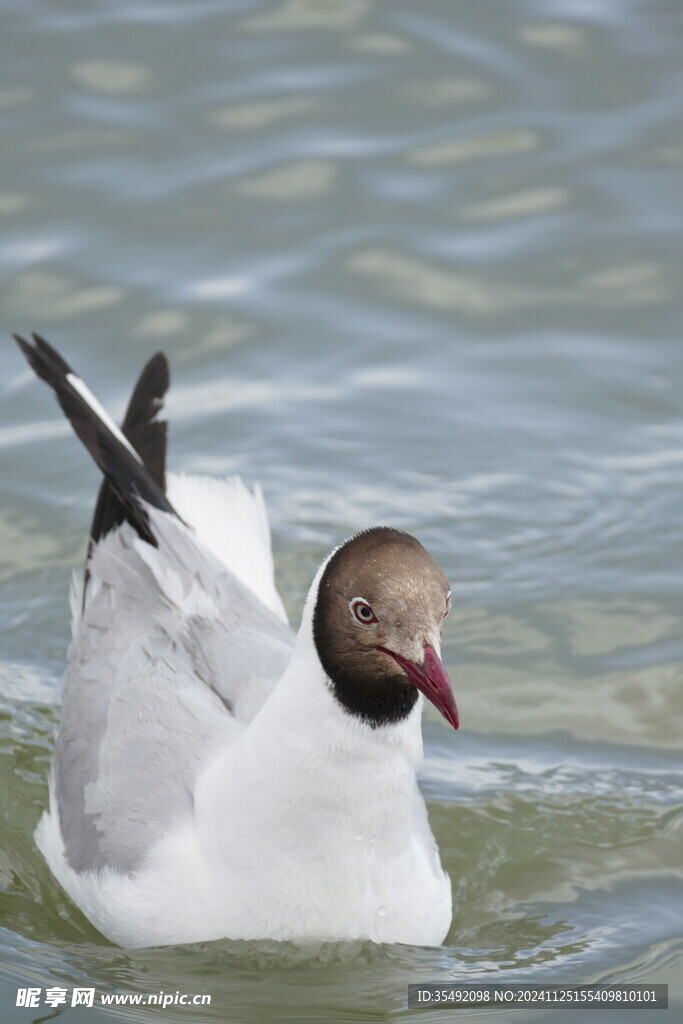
{"type": "Point", "coordinates": [232, 522]}
{"type": "Point", "coordinates": [172, 656]}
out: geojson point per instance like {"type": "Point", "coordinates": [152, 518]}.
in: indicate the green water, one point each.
{"type": "Point", "coordinates": [416, 264]}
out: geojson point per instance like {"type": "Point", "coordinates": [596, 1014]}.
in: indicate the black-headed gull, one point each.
{"type": "Point", "coordinates": [214, 774]}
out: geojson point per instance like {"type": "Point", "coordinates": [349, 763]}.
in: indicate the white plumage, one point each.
{"type": "Point", "coordinates": [226, 791]}
{"type": "Point", "coordinates": [214, 775]}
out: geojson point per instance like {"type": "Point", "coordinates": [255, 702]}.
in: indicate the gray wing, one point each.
{"type": "Point", "coordinates": [172, 657]}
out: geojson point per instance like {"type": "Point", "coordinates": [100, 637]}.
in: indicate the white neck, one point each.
{"type": "Point", "coordinates": [304, 702]}
{"type": "Point", "coordinates": [305, 758]}
{"type": "Point", "coordinates": [304, 709]}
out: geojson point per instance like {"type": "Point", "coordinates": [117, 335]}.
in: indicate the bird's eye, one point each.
{"type": "Point", "coordinates": [361, 611]}
{"type": "Point", "coordinates": [448, 604]}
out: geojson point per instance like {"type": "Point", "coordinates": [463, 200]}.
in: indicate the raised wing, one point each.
{"type": "Point", "coordinates": [172, 657]}
{"type": "Point", "coordinates": [181, 637]}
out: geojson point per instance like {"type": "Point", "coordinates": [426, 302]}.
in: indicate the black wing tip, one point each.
{"type": "Point", "coordinates": [28, 349]}
{"type": "Point", "coordinates": [43, 359]}
{"type": "Point", "coordinates": [47, 363]}
{"type": "Point", "coordinates": [148, 395]}
{"type": "Point", "coordinates": [132, 483]}
{"type": "Point", "coordinates": [156, 370]}
{"type": "Point", "coordinates": [158, 363]}
{"type": "Point", "coordinates": [147, 434]}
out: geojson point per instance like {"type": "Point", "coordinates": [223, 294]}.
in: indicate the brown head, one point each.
{"type": "Point", "coordinates": [377, 625]}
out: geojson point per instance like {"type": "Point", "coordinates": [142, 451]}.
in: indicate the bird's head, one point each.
{"type": "Point", "coordinates": [377, 623]}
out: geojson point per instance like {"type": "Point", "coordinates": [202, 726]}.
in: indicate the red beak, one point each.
{"type": "Point", "coordinates": [431, 679]}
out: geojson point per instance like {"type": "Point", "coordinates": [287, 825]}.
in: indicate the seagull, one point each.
{"type": "Point", "coordinates": [215, 774]}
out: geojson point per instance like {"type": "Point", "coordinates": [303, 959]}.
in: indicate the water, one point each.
{"type": "Point", "coordinates": [412, 263]}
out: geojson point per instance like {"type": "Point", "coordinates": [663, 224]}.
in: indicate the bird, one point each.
{"type": "Point", "coordinates": [217, 775]}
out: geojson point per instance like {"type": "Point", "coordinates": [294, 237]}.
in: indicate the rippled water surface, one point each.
{"type": "Point", "coordinates": [413, 263]}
